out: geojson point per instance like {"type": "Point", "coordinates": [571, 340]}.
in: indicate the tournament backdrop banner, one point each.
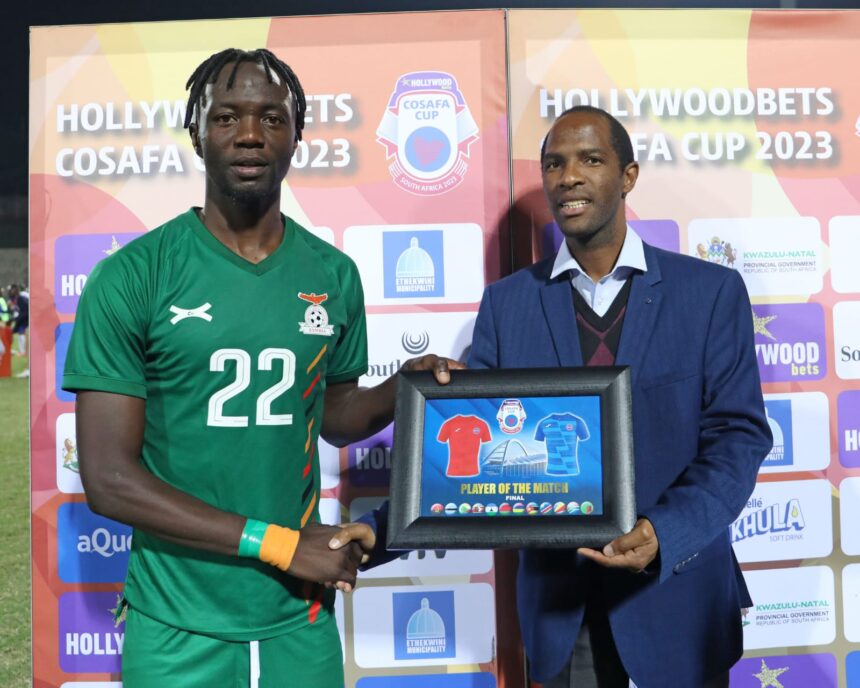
{"type": "Point", "coordinates": [746, 128]}
{"type": "Point", "coordinates": [400, 167]}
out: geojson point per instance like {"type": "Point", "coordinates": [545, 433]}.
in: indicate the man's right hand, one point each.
{"type": "Point", "coordinates": [316, 561]}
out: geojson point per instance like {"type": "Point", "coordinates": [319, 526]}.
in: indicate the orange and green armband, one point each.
{"type": "Point", "coordinates": [269, 543]}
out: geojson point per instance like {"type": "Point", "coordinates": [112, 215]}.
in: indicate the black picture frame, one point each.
{"type": "Point", "coordinates": [409, 528]}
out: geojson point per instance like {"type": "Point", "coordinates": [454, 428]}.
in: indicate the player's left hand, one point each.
{"type": "Point", "coordinates": [359, 533]}
{"type": "Point", "coordinates": [438, 365]}
{"type": "Point", "coordinates": [632, 551]}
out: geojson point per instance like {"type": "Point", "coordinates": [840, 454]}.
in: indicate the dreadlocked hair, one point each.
{"type": "Point", "coordinates": [209, 69]}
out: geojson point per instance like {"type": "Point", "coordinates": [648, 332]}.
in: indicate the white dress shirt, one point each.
{"type": "Point", "coordinates": [600, 295]}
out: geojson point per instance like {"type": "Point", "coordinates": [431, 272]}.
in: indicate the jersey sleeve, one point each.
{"type": "Point", "coordinates": [582, 432]}
{"type": "Point", "coordinates": [349, 360]}
{"type": "Point", "coordinates": [485, 431]}
{"type": "Point", "coordinates": [106, 352]}
{"type": "Point", "coordinates": [444, 431]}
{"type": "Point", "coordinates": [539, 431]}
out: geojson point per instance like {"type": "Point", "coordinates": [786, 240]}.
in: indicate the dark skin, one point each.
{"type": "Point", "coordinates": [585, 186]}
{"type": "Point", "coordinates": [246, 135]}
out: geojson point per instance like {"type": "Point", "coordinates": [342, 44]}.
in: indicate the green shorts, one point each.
{"type": "Point", "coordinates": [155, 655]}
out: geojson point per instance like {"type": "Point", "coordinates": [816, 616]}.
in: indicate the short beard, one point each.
{"type": "Point", "coordinates": [249, 197]}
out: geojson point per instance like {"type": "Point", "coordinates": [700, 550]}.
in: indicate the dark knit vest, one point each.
{"type": "Point", "coordinates": [599, 335]}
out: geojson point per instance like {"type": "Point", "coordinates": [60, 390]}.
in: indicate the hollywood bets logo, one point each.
{"type": "Point", "coordinates": [789, 341]}
{"type": "Point", "coordinates": [427, 131]}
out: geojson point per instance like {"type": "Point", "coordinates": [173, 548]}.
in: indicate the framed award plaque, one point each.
{"type": "Point", "coordinates": [512, 458]}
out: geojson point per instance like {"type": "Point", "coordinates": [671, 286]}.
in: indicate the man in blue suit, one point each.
{"type": "Point", "coordinates": [661, 605]}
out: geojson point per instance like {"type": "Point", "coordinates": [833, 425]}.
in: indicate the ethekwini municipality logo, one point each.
{"type": "Point", "coordinates": [424, 625]}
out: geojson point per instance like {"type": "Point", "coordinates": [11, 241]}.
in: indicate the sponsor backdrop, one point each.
{"type": "Point", "coordinates": [400, 167]}
{"type": "Point", "coordinates": [746, 127]}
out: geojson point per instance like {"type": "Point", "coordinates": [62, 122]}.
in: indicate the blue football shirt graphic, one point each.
{"type": "Point", "coordinates": [562, 433]}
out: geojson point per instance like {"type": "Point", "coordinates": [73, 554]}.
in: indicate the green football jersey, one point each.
{"type": "Point", "coordinates": [232, 359]}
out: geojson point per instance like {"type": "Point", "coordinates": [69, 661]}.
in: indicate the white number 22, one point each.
{"type": "Point", "coordinates": [242, 359]}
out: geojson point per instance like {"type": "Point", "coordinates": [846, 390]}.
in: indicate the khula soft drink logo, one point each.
{"type": "Point", "coordinates": [789, 341]}
{"type": "Point", "coordinates": [424, 625]}
{"type": "Point", "coordinates": [785, 520]}
{"type": "Point", "coordinates": [768, 519]}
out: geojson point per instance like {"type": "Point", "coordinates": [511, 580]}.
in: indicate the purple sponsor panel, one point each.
{"type": "Point", "coordinates": [75, 256]}
{"type": "Point", "coordinates": [660, 233]}
{"type": "Point", "coordinates": [789, 341]}
{"type": "Point", "coordinates": [89, 640]}
{"type": "Point", "coordinates": [848, 414]}
{"type": "Point", "coordinates": [788, 671]}
{"type": "Point", "coordinates": [370, 460]}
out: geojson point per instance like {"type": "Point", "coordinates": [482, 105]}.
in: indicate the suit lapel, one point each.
{"type": "Point", "coordinates": [557, 302]}
{"type": "Point", "coordinates": [643, 306]}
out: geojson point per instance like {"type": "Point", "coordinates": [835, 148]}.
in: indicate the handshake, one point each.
{"type": "Point", "coordinates": [332, 554]}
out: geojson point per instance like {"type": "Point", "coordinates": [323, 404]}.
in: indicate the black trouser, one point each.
{"type": "Point", "coordinates": [595, 663]}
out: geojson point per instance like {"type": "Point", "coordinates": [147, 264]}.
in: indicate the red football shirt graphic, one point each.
{"type": "Point", "coordinates": [464, 435]}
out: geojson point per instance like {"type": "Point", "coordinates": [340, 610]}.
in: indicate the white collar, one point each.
{"type": "Point", "coordinates": [632, 256]}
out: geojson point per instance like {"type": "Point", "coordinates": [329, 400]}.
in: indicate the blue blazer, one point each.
{"type": "Point", "coordinates": [700, 435]}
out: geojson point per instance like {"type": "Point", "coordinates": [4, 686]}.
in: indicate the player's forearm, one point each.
{"type": "Point", "coordinates": [134, 496]}
{"type": "Point", "coordinates": [353, 413]}
{"type": "Point", "coordinates": [109, 440]}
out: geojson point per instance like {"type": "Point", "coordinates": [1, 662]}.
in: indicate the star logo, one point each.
{"type": "Point", "coordinates": [114, 247]}
{"type": "Point", "coordinates": [760, 325]}
{"type": "Point", "coordinates": [768, 676]}
{"type": "Point", "coordinates": [118, 613]}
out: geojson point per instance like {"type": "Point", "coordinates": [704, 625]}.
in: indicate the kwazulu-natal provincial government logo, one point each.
{"type": "Point", "coordinates": [316, 318]}
{"type": "Point", "coordinates": [427, 131]}
{"type": "Point", "coordinates": [718, 251]}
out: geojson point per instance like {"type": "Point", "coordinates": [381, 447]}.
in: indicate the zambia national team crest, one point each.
{"type": "Point", "coordinates": [427, 130]}
{"type": "Point", "coordinates": [316, 318]}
